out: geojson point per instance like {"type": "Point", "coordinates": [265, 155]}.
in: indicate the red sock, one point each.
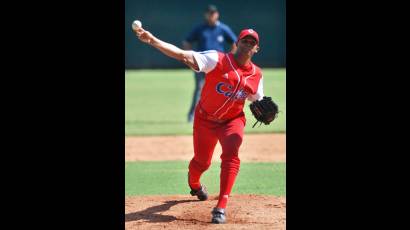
{"type": "Point", "coordinates": [229, 170]}
{"type": "Point", "coordinates": [223, 200]}
{"type": "Point", "coordinates": [194, 176]}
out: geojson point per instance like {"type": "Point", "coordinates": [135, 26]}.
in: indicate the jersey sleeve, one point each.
{"type": "Point", "coordinates": [229, 35]}
{"type": "Point", "coordinates": [259, 93]}
{"type": "Point", "coordinates": [193, 35]}
{"type": "Point", "coordinates": [206, 60]}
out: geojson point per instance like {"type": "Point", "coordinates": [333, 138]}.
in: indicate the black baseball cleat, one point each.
{"type": "Point", "coordinates": [201, 193]}
{"type": "Point", "coordinates": [218, 216]}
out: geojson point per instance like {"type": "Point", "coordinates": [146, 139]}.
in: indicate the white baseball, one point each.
{"type": "Point", "coordinates": [136, 24]}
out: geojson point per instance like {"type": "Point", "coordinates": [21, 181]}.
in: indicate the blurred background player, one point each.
{"type": "Point", "coordinates": [210, 35]}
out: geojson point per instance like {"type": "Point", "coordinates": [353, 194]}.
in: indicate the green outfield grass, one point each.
{"type": "Point", "coordinates": [170, 177]}
{"type": "Point", "coordinates": [157, 101]}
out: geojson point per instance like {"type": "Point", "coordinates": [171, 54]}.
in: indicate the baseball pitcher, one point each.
{"type": "Point", "coordinates": [230, 79]}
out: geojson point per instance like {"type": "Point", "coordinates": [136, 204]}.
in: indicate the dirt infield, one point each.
{"type": "Point", "coordinates": [255, 148]}
{"type": "Point", "coordinates": [186, 212]}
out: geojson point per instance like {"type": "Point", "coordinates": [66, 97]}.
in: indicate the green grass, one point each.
{"type": "Point", "coordinates": [170, 177]}
{"type": "Point", "coordinates": [157, 101]}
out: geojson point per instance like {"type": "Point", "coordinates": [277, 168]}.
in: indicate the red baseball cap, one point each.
{"type": "Point", "coordinates": [249, 32]}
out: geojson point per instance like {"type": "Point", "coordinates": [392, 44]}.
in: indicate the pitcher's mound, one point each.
{"type": "Point", "coordinates": [186, 212]}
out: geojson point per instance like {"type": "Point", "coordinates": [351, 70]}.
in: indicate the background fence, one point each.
{"type": "Point", "coordinates": [172, 20]}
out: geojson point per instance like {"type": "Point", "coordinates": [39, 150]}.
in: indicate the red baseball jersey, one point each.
{"type": "Point", "coordinates": [227, 84]}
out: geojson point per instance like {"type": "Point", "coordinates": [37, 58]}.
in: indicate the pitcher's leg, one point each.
{"type": "Point", "coordinates": [205, 140]}
{"type": "Point", "coordinates": [230, 138]}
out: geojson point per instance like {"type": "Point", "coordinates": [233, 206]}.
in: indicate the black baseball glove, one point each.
{"type": "Point", "coordinates": [265, 110]}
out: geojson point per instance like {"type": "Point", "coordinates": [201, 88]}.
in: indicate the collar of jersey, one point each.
{"type": "Point", "coordinates": [247, 67]}
{"type": "Point", "coordinates": [216, 24]}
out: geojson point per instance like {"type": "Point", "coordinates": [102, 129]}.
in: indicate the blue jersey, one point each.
{"type": "Point", "coordinates": [211, 37]}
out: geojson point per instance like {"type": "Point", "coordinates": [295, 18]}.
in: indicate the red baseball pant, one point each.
{"type": "Point", "coordinates": [206, 135]}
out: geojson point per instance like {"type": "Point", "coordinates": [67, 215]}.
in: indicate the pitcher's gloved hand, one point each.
{"type": "Point", "coordinates": [265, 110]}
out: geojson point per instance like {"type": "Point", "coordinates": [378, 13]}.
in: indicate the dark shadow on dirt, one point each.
{"type": "Point", "coordinates": [151, 214]}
